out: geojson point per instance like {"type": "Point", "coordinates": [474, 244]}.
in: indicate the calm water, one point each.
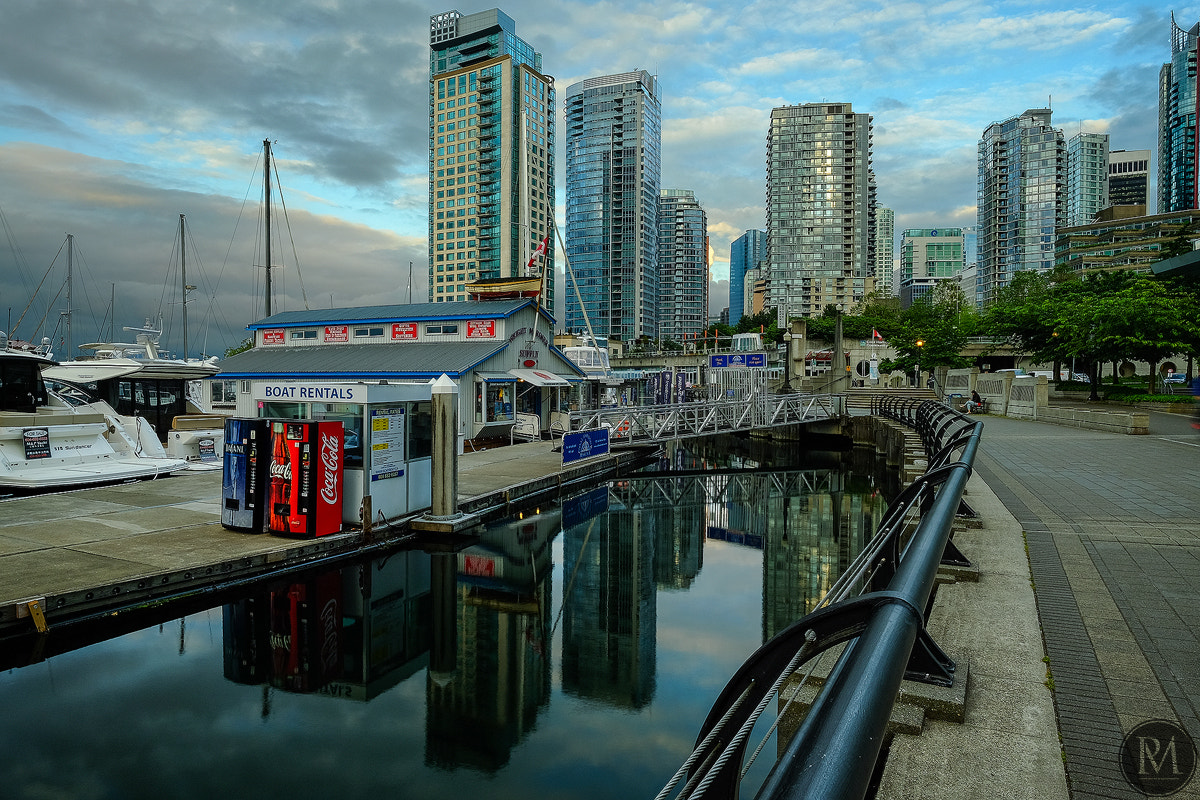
{"type": "Point", "coordinates": [571, 654]}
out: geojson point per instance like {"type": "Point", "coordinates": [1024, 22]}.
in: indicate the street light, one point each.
{"type": "Point", "coordinates": [787, 362]}
{"type": "Point", "coordinates": [920, 344]}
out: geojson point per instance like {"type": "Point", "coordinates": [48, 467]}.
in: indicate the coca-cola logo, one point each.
{"type": "Point", "coordinates": [330, 448]}
{"type": "Point", "coordinates": [281, 470]}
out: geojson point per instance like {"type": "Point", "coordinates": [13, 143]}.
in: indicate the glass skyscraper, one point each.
{"type": "Point", "coordinates": [491, 155]}
{"type": "Point", "coordinates": [1022, 181]}
{"type": "Point", "coordinates": [682, 265]}
{"type": "Point", "coordinates": [928, 255]}
{"type": "Point", "coordinates": [1087, 177]}
{"type": "Point", "coordinates": [745, 254]}
{"type": "Point", "coordinates": [613, 134]}
{"type": "Point", "coordinates": [1177, 123]}
{"type": "Point", "coordinates": [820, 209]}
{"type": "Point", "coordinates": [1129, 178]}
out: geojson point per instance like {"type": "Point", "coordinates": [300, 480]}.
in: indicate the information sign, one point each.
{"type": "Point", "coordinates": [584, 444]}
{"type": "Point", "coordinates": [387, 443]}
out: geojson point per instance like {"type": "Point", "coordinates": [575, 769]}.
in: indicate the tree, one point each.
{"type": "Point", "coordinates": [246, 344]}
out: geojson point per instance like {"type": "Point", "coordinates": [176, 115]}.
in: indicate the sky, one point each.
{"type": "Point", "coordinates": [116, 117]}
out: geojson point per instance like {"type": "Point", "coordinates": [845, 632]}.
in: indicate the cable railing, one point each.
{"type": "Point", "coordinates": [876, 611]}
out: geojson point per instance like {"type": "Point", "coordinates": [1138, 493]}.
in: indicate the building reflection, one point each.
{"type": "Point", "coordinates": [482, 704]}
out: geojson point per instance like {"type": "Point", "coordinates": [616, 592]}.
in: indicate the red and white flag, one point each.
{"type": "Point", "coordinates": [539, 253]}
{"type": "Point", "coordinates": [875, 335]}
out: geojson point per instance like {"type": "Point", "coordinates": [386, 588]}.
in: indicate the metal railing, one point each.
{"type": "Point", "coordinates": [877, 609]}
{"type": "Point", "coordinates": [646, 424]}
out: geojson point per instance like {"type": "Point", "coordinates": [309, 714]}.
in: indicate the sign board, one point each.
{"type": "Point", "coordinates": [337, 333]}
{"type": "Point", "coordinates": [584, 444]}
{"type": "Point", "coordinates": [310, 392]}
{"type": "Point", "coordinates": [273, 336]}
{"type": "Point", "coordinates": [37, 443]}
{"type": "Point", "coordinates": [738, 360]}
{"type": "Point", "coordinates": [481, 329]}
{"type": "Point", "coordinates": [582, 507]}
{"type": "Point", "coordinates": [208, 449]}
{"type": "Point", "coordinates": [387, 443]}
{"type": "Point", "coordinates": [404, 330]}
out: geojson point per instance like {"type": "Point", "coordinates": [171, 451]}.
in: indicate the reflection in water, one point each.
{"type": "Point", "coordinates": [468, 673]}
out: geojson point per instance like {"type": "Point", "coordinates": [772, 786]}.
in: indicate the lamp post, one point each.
{"type": "Point", "coordinates": [787, 362]}
{"type": "Point", "coordinates": [920, 344]}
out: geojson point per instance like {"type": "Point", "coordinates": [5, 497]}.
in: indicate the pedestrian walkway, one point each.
{"type": "Point", "coordinates": [1112, 528]}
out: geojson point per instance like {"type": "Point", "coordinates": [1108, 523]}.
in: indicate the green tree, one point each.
{"type": "Point", "coordinates": [246, 344]}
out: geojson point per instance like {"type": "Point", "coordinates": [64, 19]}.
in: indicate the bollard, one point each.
{"type": "Point", "coordinates": [443, 515]}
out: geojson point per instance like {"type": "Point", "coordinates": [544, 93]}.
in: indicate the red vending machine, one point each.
{"type": "Point", "coordinates": [306, 478]}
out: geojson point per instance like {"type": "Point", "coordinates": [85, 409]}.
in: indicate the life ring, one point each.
{"type": "Point", "coordinates": [623, 429]}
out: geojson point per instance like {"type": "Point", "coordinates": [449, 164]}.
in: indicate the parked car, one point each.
{"type": "Point", "coordinates": [1175, 378]}
{"type": "Point", "coordinates": [1081, 377]}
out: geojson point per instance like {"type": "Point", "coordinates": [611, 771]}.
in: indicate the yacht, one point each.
{"type": "Point", "coordinates": [50, 440]}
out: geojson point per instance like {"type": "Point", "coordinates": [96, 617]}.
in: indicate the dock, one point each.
{"type": "Point", "coordinates": [94, 552]}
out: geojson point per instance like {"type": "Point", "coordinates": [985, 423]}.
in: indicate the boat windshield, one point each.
{"type": "Point", "coordinates": [73, 394]}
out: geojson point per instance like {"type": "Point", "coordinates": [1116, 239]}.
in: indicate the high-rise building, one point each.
{"type": "Point", "coordinates": [745, 254]}
{"type": "Point", "coordinates": [1087, 177]}
{"type": "Point", "coordinates": [1129, 178]}
{"type": "Point", "coordinates": [613, 144]}
{"type": "Point", "coordinates": [1177, 123]}
{"type": "Point", "coordinates": [491, 155]}
{"type": "Point", "coordinates": [820, 209]}
{"type": "Point", "coordinates": [927, 256]}
{"type": "Point", "coordinates": [682, 265]}
{"type": "Point", "coordinates": [885, 246]}
{"type": "Point", "coordinates": [1022, 181]}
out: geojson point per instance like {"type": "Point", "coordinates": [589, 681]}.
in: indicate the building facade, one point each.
{"type": "Point", "coordinates": [1022, 180]}
{"type": "Point", "coordinates": [682, 265]}
{"type": "Point", "coordinates": [1177, 123]}
{"type": "Point", "coordinates": [1129, 178]}
{"type": "Point", "coordinates": [820, 209]}
{"type": "Point", "coordinates": [491, 156]}
{"type": "Point", "coordinates": [885, 246]}
{"type": "Point", "coordinates": [746, 253]}
{"type": "Point", "coordinates": [927, 256]}
{"type": "Point", "coordinates": [1116, 241]}
{"type": "Point", "coordinates": [613, 132]}
{"type": "Point", "coordinates": [1087, 177]}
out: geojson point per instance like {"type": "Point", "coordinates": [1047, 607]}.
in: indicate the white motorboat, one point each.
{"type": "Point", "coordinates": [50, 440]}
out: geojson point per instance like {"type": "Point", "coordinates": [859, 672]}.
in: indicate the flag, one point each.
{"type": "Point", "coordinates": [875, 335]}
{"type": "Point", "coordinates": [539, 253]}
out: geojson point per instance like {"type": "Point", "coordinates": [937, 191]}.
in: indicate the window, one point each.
{"type": "Point", "coordinates": [442, 329]}
{"type": "Point", "coordinates": [493, 401]}
{"type": "Point", "coordinates": [372, 331]}
{"type": "Point", "coordinates": [312, 334]}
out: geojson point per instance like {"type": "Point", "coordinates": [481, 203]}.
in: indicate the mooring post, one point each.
{"type": "Point", "coordinates": [443, 516]}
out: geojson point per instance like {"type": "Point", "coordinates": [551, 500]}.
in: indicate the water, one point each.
{"type": "Point", "coordinates": [573, 653]}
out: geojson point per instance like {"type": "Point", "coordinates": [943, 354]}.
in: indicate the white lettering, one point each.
{"type": "Point", "coordinates": [282, 471]}
{"type": "Point", "coordinates": [330, 446]}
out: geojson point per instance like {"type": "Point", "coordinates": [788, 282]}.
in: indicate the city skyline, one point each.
{"type": "Point", "coordinates": [157, 110]}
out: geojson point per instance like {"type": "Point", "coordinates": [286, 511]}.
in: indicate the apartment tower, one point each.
{"type": "Point", "coordinates": [1177, 123]}
{"type": "Point", "coordinates": [1022, 198]}
{"type": "Point", "coordinates": [613, 130]}
{"type": "Point", "coordinates": [1087, 177]}
{"type": "Point", "coordinates": [682, 265]}
{"type": "Point", "coordinates": [820, 209]}
{"type": "Point", "coordinates": [491, 155]}
{"type": "Point", "coordinates": [745, 254]}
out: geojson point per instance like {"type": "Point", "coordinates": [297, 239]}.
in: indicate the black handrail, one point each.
{"type": "Point", "coordinates": [833, 753]}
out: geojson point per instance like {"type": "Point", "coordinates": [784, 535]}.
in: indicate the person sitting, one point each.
{"type": "Point", "coordinates": [975, 404]}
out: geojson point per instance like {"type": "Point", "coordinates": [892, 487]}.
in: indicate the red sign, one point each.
{"type": "Point", "coordinates": [337, 333]}
{"type": "Point", "coordinates": [273, 336]}
{"type": "Point", "coordinates": [481, 329]}
{"type": "Point", "coordinates": [404, 330]}
{"type": "Point", "coordinates": [479, 566]}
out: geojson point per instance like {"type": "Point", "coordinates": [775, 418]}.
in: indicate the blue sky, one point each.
{"type": "Point", "coordinates": [116, 117]}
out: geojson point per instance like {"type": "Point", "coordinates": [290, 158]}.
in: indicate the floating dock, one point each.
{"type": "Point", "coordinates": [95, 552]}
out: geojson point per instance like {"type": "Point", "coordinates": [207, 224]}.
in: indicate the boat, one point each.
{"type": "Point", "coordinates": [50, 440]}
{"type": "Point", "coordinates": [139, 386]}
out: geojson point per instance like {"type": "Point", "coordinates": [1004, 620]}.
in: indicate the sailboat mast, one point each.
{"type": "Point", "coordinates": [267, 212]}
{"type": "Point", "coordinates": [70, 273]}
{"type": "Point", "coordinates": [183, 279]}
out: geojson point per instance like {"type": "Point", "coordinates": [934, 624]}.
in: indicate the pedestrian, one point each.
{"type": "Point", "coordinates": [975, 404]}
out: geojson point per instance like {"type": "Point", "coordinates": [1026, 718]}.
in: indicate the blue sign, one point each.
{"type": "Point", "coordinates": [585, 444]}
{"type": "Point", "coordinates": [718, 361]}
{"type": "Point", "coordinates": [756, 360]}
{"type": "Point", "coordinates": [738, 360]}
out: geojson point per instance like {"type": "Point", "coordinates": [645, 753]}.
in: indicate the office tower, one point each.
{"type": "Point", "coordinates": [1129, 178]}
{"type": "Point", "coordinates": [1087, 177]}
{"type": "Point", "coordinates": [682, 265]}
{"type": "Point", "coordinates": [745, 254]}
{"type": "Point", "coordinates": [1022, 181]}
{"type": "Point", "coordinates": [491, 155]}
{"type": "Point", "coordinates": [820, 209]}
{"type": "Point", "coordinates": [929, 255]}
{"type": "Point", "coordinates": [1177, 123]}
{"type": "Point", "coordinates": [613, 144]}
{"type": "Point", "coordinates": [885, 245]}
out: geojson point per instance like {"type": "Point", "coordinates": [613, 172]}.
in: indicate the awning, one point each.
{"type": "Point", "coordinates": [539, 377]}
{"type": "Point", "coordinates": [494, 377]}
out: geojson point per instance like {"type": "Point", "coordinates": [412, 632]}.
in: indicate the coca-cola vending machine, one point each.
{"type": "Point", "coordinates": [306, 478]}
{"type": "Point", "coordinates": [244, 483]}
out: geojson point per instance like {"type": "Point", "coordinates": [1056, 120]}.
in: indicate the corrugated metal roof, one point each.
{"type": "Point", "coordinates": [394, 313]}
{"type": "Point", "coordinates": [409, 360]}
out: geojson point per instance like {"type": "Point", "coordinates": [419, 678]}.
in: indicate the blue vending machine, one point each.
{"type": "Point", "coordinates": [246, 476]}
